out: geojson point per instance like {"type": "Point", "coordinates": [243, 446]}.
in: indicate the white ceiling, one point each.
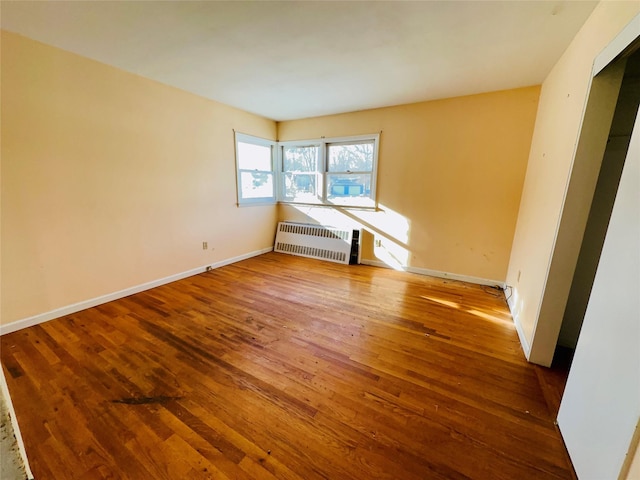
{"type": "Point", "coordinates": [289, 60]}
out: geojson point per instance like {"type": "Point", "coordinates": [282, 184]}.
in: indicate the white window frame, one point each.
{"type": "Point", "coordinates": [323, 169]}
{"type": "Point", "coordinates": [249, 139]}
{"type": "Point", "coordinates": [282, 197]}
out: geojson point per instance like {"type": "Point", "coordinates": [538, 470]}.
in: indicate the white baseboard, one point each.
{"type": "Point", "coordinates": [14, 424]}
{"type": "Point", "coordinates": [76, 307]}
{"type": "Point", "coordinates": [439, 274]}
{"type": "Point", "coordinates": [526, 347]}
{"type": "Point", "coordinates": [523, 339]}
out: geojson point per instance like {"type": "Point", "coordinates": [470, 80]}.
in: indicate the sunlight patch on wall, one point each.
{"type": "Point", "coordinates": [385, 222]}
{"type": "Point", "coordinates": [390, 230]}
{"type": "Point", "coordinates": [392, 254]}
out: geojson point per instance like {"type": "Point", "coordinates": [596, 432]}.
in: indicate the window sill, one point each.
{"type": "Point", "coordinates": [373, 208]}
{"type": "Point", "coordinates": [256, 204]}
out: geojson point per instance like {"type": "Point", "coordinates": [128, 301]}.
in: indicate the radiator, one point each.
{"type": "Point", "coordinates": [317, 241]}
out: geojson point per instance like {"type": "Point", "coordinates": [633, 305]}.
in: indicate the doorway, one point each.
{"type": "Point", "coordinates": [600, 406]}
{"type": "Point", "coordinates": [602, 204]}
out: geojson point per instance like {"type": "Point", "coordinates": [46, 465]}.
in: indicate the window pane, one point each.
{"type": "Point", "coordinates": [349, 189]}
{"type": "Point", "coordinates": [357, 157]}
{"type": "Point", "coordinates": [256, 184]}
{"type": "Point", "coordinates": [300, 159]}
{"type": "Point", "coordinates": [254, 157]}
{"type": "Point", "coordinates": [300, 187]}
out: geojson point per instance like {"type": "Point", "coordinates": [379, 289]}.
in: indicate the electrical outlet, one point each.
{"type": "Point", "coordinates": [378, 242]}
{"type": "Point", "coordinates": [205, 245]}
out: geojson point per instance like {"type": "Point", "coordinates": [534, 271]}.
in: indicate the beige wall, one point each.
{"type": "Point", "coordinates": [110, 180]}
{"type": "Point", "coordinates": [449, 179]}
{"type": "Point", "coordinates": [562, 102]}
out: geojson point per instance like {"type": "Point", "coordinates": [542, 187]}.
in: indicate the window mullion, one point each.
{"type": "Point", "coordinates": [279, 172]}
{"type": "Point", "coordinates": [323, 168]}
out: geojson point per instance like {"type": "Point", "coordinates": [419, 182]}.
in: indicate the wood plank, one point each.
{"type": "Point", "coordinates": [291, 368]}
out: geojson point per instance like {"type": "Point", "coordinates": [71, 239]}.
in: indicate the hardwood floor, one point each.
{"type": "Point", "coordinates": [289, 368]}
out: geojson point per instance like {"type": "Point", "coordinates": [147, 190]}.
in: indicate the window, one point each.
{"type": "Point", "coordinates": [350, 173]}
{"type": "Point", "coordinates": [300, 178]}
{"type": "Point", "coordinates": [255, 172]}
{"type": "Point", "coordinates": [338, 171]}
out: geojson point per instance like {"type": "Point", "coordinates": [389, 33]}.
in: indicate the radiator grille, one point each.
{"type": "Point", "coordinates": [313, 252]}
{"type": "Point", "coordinates": [314, 241]}
{"type": "Point", "coordinates": [314, 231]}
